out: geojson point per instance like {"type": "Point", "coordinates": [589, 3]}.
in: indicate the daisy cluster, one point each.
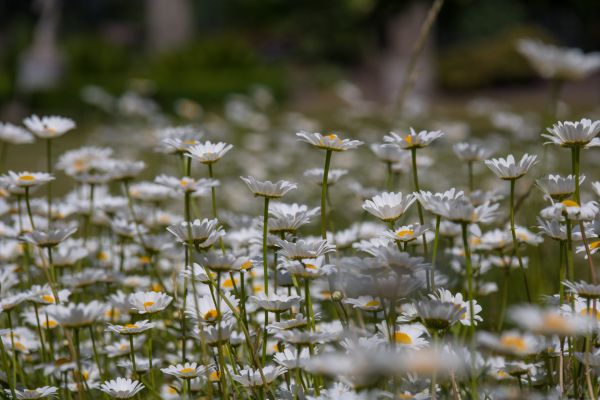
{"type": "Point", "coordinates": [196, 277]}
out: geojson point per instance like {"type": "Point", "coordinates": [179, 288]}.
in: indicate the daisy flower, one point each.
{"type": "Point", "coordinates": [582, 133]}
{"type": "Point", "coordinates": [304, 249]}
{"type": "Point", "coordinates": [50, 238]}
{"type": "Point", "coordinates": [275, 303]}
{"type": "Point", "coordinates": [208, 152]}
{"type": "Point", "coordinates": [187, 184]}
{"type": "Point", "coordinates": [77, 315]}
{"type": "Point", "coordinates": [365, 303]}
{"type": "Point", "coordinates": [331, 142]}
{"type": "Point", "coordinates": [413, 140]}
{"type": "Point", "coordinates": [13, 134]}
{"type": "Point", "coordinates": [407, 233]}
{"type": "Point", "coordinates": [204, 233]}
{"type": "Point", "coordinates": [185, 371]}
{"type": "Point", "coordinates": [48, 127]}
{"type": "Point", "coordinates": [122, 388]}
{"type": "Point", "coordinates": [271, 190]}
{"type": "Point", "coordinates": [549, 321]}
{"type": "Point", "coordinates": [388, 206]}
{"type": "Point", "coordinates": [131, 329]}
{"type": "Point", "coordinates": [553, 62]}
{"type": "Point", "coordinates": [571, 210]}
{"type": "Point", "coordinates": [437, 314]}
{"type": "Point", "coordinates": [471, 152]}
{"type": "Point", "coordinates": [508, 168]}
{"type": "Point", "coordinates": [26, 179]}
{"type": "Point", "coordinates": [253, 378]}
{"type": "Point", "coordinates": [457, 299]}
{"type": "Point", "coordinates": [511, 343]}
{"type": "Point", "coordinates": [556, 187]}
{"type": "Point", "coordinates": [43, 392]}
{"type": "Point", "coordinates": [149, 302]}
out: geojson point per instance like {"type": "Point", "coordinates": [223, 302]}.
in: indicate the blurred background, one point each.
{"type": "Point", "coordinates": [186, 57]}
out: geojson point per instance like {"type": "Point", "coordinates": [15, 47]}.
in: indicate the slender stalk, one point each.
{"type": "Point", "coordinates": [438, 221]}
{"type": "Point", "coordinates": [504, 299]}
{"type": "Point", "coordinates": [13, 381]}
{"type": "Point", "coordinates": [413, 153]}
{"type": "Point", "coordinates": [324, 194]}
{"type": "Point", "coordinates": [132, 355]}
{"type": "Point", "coordinates": [588, 252]}
{"type": "Point", "coordinates": [465, 236]}
{"type": "Point", "coordinates": [49, 187]}
{"type": "Point", "coordinates": [94, 349]}
{"type": "Point", "coordinates": [389, 180]}
{"type": "Point", "coordinates": [514, 238]}
{"type": "Point", "coordinates": [575, 158]}
{"type": "Point", "coordinates": [265, 235]}
{"type": "Point", "coordinates": [471, 179]}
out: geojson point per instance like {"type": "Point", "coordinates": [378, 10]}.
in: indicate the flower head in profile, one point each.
{"type": "Point", "coordinates": [184, 371]}
{"type": "Point", "coordinates": [203, 233]}
{"type": "Point", "coordinates": [268, 189]}
{"type": "Point", "coordinates": [438, 314]}
{"type": "Point", "coordinates": [251, 378]}
{"type": "Point", "coordinates": [43, 392]}
{"type": "Point", "coordinates": [557, 187]}
{"type": "Point", "coordinates": [14, 134]}
{"type": "Point", "coordinates": [48, 238]}
{"type": "Point", "coordinates": [48, 127]}
{"type": "Point", "coordinates": [413, 140]}
{"type": "Point", "coordinates": [133, 328]}
{"type": "Point", "coordinates": [187, 184]}
{"type": "Point", "coordinates": [331, 142]}
{"type": "Point", "coordinates": [582, 133]}
{"type": "Point", "coordinates": [304, 249]}
{"type": "Point", "coordinates": [26, 179]}
{"type": "Point", "coordinates": [471, 152]}
{"type": "Point", "coordinates": [149, 302]}
{"type": "Point", "coordinates": [388, 207]}
{"type": "Point", "coordinates": [122, 388]}
{"type": "Point", "coordinates": [553, 62]}
{"type": "Point", "coordinates": [208, 152]}
{"type": "Point", "coordinates": [508, 168]}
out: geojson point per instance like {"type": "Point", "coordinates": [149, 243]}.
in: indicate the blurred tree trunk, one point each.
{"type": "Point", "coordinates": [383, 76]}
{"type": "Point", "coordinates": [41, 65]}
{"type": "Point", "coordinates": [169, 24]}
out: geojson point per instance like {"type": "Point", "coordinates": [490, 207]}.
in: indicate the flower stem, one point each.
{"type": "Point", "coordinates": [514, 237]}
{"type": "Point", "coordinates": [49, 187]}
{"type": "Point", "coordinates": [132, 355]}
{"type": "Point", "coordinates": [265, 234]}
{"type": "Point", "coordinates": [438, 220]}
{"type": "Point", "coordinates": [575, 156]}
{"type": "Point", "coordinates": [465, 236]}
{"type": "Point", "coordinates": [324, 194]}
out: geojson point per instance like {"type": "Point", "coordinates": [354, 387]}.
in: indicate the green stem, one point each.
{"type": "Point", "coordinates": [132, 355]}
{"type": "Point", "coordinates": [265, 235]}
{"type": "Point", "coordinates": [324, 194]}
{"type": "Point", "coordinates": [413, 153]}
{"type": "Point", "coordinates": [438, 221]}
{"type": "Point", "coordinates": [49, 187]}
{"type": "Point", "coordinates": [575, 156]}
{"type": "Point", "coordinates": [514, 238]}
{"type": "Point", "coordinates": [13, 383]}
{"type": "Point", "coordinates": [465, 236]}
{"type": "Point", "coordinates": [471, 179]}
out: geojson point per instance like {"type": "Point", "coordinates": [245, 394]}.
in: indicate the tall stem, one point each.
{"type": "Point", "coordinates": [471, 180]}
{"type": "Point", "coordinates": [49, 187]}
{"type": "Point", "coordinates": [514, 237]}
{"type": "Point", "coordinates": [324, 194]}
{"type": "Point", "coordinates": [575, 155]}
{"type": "Point", "coordinates": [465, 236]}
{"type": "Point", "coordinates": [265, 235]}
{"type": "Point", "coordinates": [413, 153]}
{"type": "Point", "coordinates": [438, 221]}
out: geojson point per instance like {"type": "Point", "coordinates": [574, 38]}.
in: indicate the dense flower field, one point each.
{"type": "Point", "coordinates": [200, 283]}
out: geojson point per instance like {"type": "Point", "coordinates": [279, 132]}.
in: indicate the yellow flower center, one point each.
{"type": "Point", "coordinates": [228, 283]}
{"type": "Point", "coordinates": [184, 182]}
{"type": "Point", "coordinates": [408, 139]}
{"type": "Point", "coordinates": [405, 232]}
{"type": "Point", "coordinates": [555, 321]}
{"type": "Point", "coordinates": [130, 326]}
{"type": "Point", "coordinates": [191, 141]}
{"type": "Point", "coordinates": [156, 287]}
{"type": "Point", "coordinates": [214, 376]}
{"type": "Point", "coordinates": [246, 265]}
{"type": "Point", "coordinates": [85, 375]}
{"type": "Point", "coordinates": [148, 304]}
{"type": "Point", "coordinates": [187, 370]}
{"type": "Point", "coordinates": [569, 203]}
{"type": "Point", "coordinates": [513, 341]}
{"type": "Point", "coordinates": [332, 136]}
{"type": "Point", "coordinates": [51, 323]}
{"type": "Point", "coordinates": [595, 245]}
{"type": "Point", "coordinates": [20, 346]}
{"type": "Point", "coordinates": [144, 259]}
{"type": "Point", "coordinates": [171, 390]}
{"type": "Point", "coordinates": [48, 298]}
{"type": "Point", "coordinates": [123, 347]}
{"type": "Point", "coordinates": [372, 303]}
{"type": "Point", "coordinates": [211, 314]}
{"type": "Point", "coordinates": [589, 312]}
{"type": "Point", "coordinates": [27, 178]}
{"type": "Point", "coordinates": [102, 256]}
{"type": "Point", "coordinates": [310, 266]}
{"type": "Point", "coordinates": [112, 313]}
{"type": "Point", "coordinates": [403, 338]}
